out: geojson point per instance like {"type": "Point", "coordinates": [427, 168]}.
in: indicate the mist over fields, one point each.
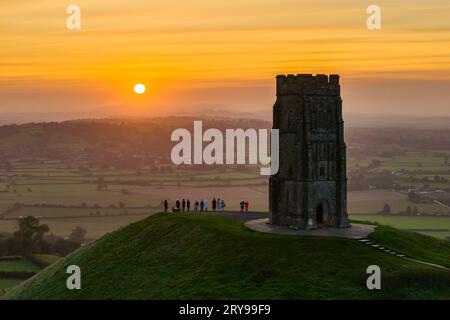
{"type": "Point", "coordinates": [104, 173]}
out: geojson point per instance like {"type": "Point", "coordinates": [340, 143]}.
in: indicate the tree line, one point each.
{"type": "Point", "coordinates": [30, 239]}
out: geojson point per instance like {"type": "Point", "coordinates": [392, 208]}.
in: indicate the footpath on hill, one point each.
{"type": "Point", "coordinates": [253, 219]}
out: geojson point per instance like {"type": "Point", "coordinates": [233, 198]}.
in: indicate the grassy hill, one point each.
{"type": "Point", "coordinates": [193, 256]}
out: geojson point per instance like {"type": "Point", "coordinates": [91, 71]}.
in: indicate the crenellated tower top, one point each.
{"type": "Point", "coordinates": [308, 84]}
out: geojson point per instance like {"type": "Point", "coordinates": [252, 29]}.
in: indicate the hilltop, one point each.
{"type": "Point", "coordinates": [195, 256]}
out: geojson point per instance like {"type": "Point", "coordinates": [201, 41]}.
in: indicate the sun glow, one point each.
{"type": "Point", "coordinates": [139, 88]}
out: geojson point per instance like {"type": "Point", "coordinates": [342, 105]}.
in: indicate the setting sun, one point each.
{"type": "Point", "coordinates": [139, 88]}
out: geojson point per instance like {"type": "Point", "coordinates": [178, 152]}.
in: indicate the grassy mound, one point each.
{"type": "Point", "coordinates": [415, 245]}
{"type": "Point", "coordinates": [175, 256]}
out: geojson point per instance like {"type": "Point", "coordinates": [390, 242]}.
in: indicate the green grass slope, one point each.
{"type": "Point", "coordinates": [193, 256]}
{"type": "Point", "coordinates": [415, 245]}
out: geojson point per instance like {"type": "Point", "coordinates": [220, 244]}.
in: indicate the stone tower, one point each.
{"type": "Point", "coordinates": [310, 188]}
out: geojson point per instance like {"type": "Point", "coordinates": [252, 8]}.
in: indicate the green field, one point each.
{"type": "Point", "coordinates": [409, 168]}
{"type": "Point", "coordinates": [23, 265]}
{"type": "Point", "coordinates": [414, 162]}
{"type": "Point", "coordinates": [372, 201]}
{"type": "Point", "coordinates": [411, 223]}
{"type": "Point", "coordinates": [18, 265]}
{"type": "Point", "coordinates": [73, 183]}
{"type": "Point", "coordinates": [8, 283]}
{"type": "Point", "coordinates": [95, 226]}
{"type": "Point", "coordinates": [178, 256]}
{"type": "Point", "coordinates": [75, 194]}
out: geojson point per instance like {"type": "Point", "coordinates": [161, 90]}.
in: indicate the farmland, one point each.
{"type": "Point", "coordinates": [372, 201]}
{"type": "Point", "coordinates": [102, 174]}
{"type": "Point", "coordinates": [14, 270]}
{"type": "Point", "coordinates": [18, 266]}
{"type": "Point", "coordinates": [432, 226]}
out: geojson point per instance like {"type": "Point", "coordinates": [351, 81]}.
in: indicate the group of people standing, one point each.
{"type": "Point", "coordinates": [199, 205]}
{"type": "Point", "coordinates": [244, 205]}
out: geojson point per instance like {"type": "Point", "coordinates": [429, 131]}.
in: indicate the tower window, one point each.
{"type": "Point", "coordinates": [322, 172]}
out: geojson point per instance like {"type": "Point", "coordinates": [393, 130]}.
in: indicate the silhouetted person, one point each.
{"type": "Point", "coordinates": [188, 204]}
{"type": "Point", "coordinates": [177, 205]}
{"type": "Point", "coordinates": [183, 204]}
{"type": "Point", "coordinates": [202, 204]}
{"type": "Point", "coordinates": [196, 206]}
{"type": "Point", "coordinates": [214, 204]}
{"type": "Point", "coordinates": [166, 205]}
{"type": "Point", "coordinates": [246, 204]}
{"type": "Point", "coordinates": [242, 203]}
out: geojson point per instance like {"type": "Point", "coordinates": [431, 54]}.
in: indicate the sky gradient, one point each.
{"type": "Point", "coordinates": [202, 54]}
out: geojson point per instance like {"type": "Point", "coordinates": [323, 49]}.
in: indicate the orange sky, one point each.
{"type": "Point", "coordinates": [223, 55]}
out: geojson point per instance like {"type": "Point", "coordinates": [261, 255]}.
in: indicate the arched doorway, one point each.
{"type": "Point", "coordinates": [319, 214]}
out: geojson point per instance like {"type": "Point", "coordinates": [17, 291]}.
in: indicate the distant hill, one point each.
{"type": "Point", "coordinates": [193, 256]}
{"type": "Point", "coordinates": [107, 140]}
{"type": "Point", "coordinates": [396, 121]}
{"type": "Point", "coordinates": [130, 139]}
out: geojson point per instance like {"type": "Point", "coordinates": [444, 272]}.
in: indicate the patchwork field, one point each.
{"type": "Point", "coordinates": [414, 162]}
{"type": "Point", "coordinates": [95, 226]}
{"type": "Point", "coordinates": [10, 267]}
{"type": "Point", "coordinates": [99, 221]}
{"type": "Point", "coordinates": [372, 201]}
{"type": "Point", "coordinates": [65, 194]}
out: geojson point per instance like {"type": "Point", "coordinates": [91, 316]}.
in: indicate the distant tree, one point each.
{"type": "Point", "coordinates": [30, 234]}
{"type": "Point", "coordinates": [386, 210]}
{"type": "Point", "coordinates": [78, 234]}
